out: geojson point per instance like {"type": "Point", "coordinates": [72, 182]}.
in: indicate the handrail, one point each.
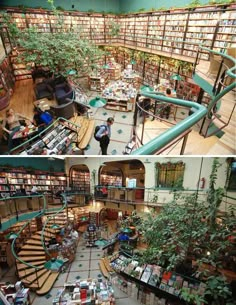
{"type": "Point", "coordinates": [64, 206]}
{"type": "Point", "coordinates": [175, 131]}
{"type": "Point", "coordinates": [46, 222]}
{"type": "Point", "coordinates": [41, 212]}
{"type": "Point", "coordinates": [42, 132]}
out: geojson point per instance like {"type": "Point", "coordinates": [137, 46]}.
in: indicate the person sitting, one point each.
{"type": "Point", "coordinates": [41, 119]}
{"type": "Point", "coordinates": [12, 121]}
{"type": "Point", "coordinates": [74, 234]}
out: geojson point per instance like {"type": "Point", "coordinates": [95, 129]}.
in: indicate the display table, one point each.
{"type": "Point", "coordinates": [85, 292]}
{"type": "Point", "coordinates": [120, 96]}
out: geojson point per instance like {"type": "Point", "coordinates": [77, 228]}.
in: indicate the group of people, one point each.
{"type": "Point", "coordinates": [14, 121]}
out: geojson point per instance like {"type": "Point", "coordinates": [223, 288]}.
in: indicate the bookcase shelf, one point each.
{"type": "Point", "coordinates": [80, 180]}
{"type": "Point", "coordinates": [13, 179]}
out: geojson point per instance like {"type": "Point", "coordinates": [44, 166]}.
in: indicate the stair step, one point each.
{"type": "Point", "coordinates": [47, 286]}
{"type": "Point", "coordinates": [46, 234]}
{"type": "Point", "coordinates": [33, 241]}
{"type": "Point", "coordinates": [30, 252]}
{"type": "Point", "coordinates": [21, 266]}
{"type": "Point", "coordinates": [31, 245]}
{"type": "Point", "coordinates": [38, 283]}
{"type": "Point", "coordinates": [28, 259]}
{"type": "Point", "coordinates": [38, 238]}
{"type": "Point", "coordinates": [26, 272]}
{"type": "Point", "coordinates": [34, 276]}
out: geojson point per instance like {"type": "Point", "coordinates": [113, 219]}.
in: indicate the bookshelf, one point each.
{"type": "Point", "coordinates": [98, 81]}
{"type": "Point", "coordinates": [159, 31]}
{"type": "Point", "coordinates": [20, 70]}
{"type": "Point", "coordinates": [13, 179]}
{"type": "Point", "coordinates": [111, 178]}
{"type": "Point", "coordinates": [7, 81]}
{"type": "Point", "coordinates": [80, 179]}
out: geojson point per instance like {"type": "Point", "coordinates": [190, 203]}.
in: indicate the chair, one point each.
{"type": "Point", "coordinates": [66, 110]}
{"type": "Point", "coordinates": [43, 90]}
{"type": "Point", "coordinates": [62, 92]}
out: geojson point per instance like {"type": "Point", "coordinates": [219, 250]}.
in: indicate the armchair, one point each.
{"type": "Point", "coordinates": [66, 110]}
{"type": "Point", "coordinates": [62, 92]}
{"type": "Point", "coordinates": [43, 90]}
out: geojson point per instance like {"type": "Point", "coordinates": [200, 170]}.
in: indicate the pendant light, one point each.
{"type": "Point", "coordinates": [97, 102]}
{"type": "Point", "coordinates": [54, 264]}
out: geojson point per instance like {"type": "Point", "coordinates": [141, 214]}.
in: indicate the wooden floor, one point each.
{"type": "Point", "coordinates": [22, 99]}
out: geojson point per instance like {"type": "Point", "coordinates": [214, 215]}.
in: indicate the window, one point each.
{"type": "Point", "coordinates": [232, 175]}
{"type": "Point", "coordinates": [170, 174]}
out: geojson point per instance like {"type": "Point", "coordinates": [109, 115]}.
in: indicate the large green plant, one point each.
{"type": "Point", "coordinates": [60, 51]}
{"type": "Point", "coordinates": [188, 228]}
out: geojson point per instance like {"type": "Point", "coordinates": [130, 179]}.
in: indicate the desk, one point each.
{"type": "Point", "coordinates": [44, 104]}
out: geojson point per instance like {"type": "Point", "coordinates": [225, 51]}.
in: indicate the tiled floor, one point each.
{"type": "Point", "coordinates": [121, 130]}
{"type": "Point", "coordinates": [84, 266]}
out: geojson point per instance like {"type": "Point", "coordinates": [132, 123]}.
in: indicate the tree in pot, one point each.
{"type": "Point", "coordinates": [60, 51]}
{"type": "Point", "coordinates": [187, 229]}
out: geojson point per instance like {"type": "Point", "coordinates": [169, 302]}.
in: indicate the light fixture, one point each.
{"type": "Point", "coordinates": [54, 264]}
{"type": "Point", "coordinates": [176, 77]}
{"type": "Point", "coordinates": [133, 62]}
{"type": "Point", "coordinates": [12, 235]}
{"type": "Point", "coordinates": [97, 102]}
{"type": "Point", "coordinates": [55, 226]}
{"type": "Point", "coordinates": [106, 66]}
{"type": "Point", "coordinates": [146, 88]}
{"type": "Point", "coordinates": [71, 72]}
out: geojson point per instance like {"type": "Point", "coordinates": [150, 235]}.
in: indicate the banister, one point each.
{"type": "Point", "coordinates": [170, 134]}
{"type": "Point", "coordinates": [41, 212]}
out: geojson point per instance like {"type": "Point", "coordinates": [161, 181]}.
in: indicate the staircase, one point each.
{"type": "Point", "coordinates": [32, 257]}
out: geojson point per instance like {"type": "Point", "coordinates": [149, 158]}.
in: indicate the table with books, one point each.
{"type": "Point", "coordinates": [163, 283]}
{"type": "Point", "coordinates": [89, 291]}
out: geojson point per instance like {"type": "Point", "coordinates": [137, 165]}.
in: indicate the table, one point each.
{"type": "Point", "coordinates": [44, 104]}
{"type": "Point", "coordinates": [24, 132]}
{"type": "Point", "coordinates": [120, 96]}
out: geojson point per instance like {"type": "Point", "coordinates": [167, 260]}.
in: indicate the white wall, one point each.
{"type": "Point", "coordinates": [195, 168]}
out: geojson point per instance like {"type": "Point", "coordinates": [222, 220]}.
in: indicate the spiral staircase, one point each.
{"type": "Point", "coordinates": [33, 254]}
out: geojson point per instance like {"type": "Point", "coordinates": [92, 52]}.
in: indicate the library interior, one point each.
{"type": "Point", "coordinates": [166, 75]}
{"type": "Point", "coordinates": [117, 152]}
{"type": "Point", "coordinates": [145, 230]}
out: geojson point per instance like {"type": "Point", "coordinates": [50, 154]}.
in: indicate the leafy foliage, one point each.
{"type": "Point", "coordinates": [188, 228]}
{"type": "Point", "coordinates": [59, 51]}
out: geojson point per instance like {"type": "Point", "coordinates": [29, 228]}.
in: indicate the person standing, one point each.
{"type": "Point", "coordinates": [104, 134]}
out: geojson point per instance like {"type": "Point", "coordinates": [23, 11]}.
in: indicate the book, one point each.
{"type": "Point", "coordinates": [146, 273]}
{"type": "Point", "coordinates": [155, 276]}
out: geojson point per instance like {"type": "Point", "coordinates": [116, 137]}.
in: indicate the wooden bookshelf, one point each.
{"type": "Point", "coordinates": [13, 179]}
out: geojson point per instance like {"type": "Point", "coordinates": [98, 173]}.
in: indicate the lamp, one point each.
{"type": "Point", "coordinates": [97, 102]}
{"type": "Point", "coordinates": [146, 88]}
{"type": "Point", "coordinates": [12, 235]}
{"type": "Point", "coordinates": [106, 66]}
{"type": "Point", "coordinates": [133, 62]}
{"type": "Point", "coordinates": [176, 78]}
{"type": "Point", "coordinates": [71, 72]}
{"type": "Point", "coordinates": [55, 226]}
{"type": "Point", "coordinates": [54, 264]}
